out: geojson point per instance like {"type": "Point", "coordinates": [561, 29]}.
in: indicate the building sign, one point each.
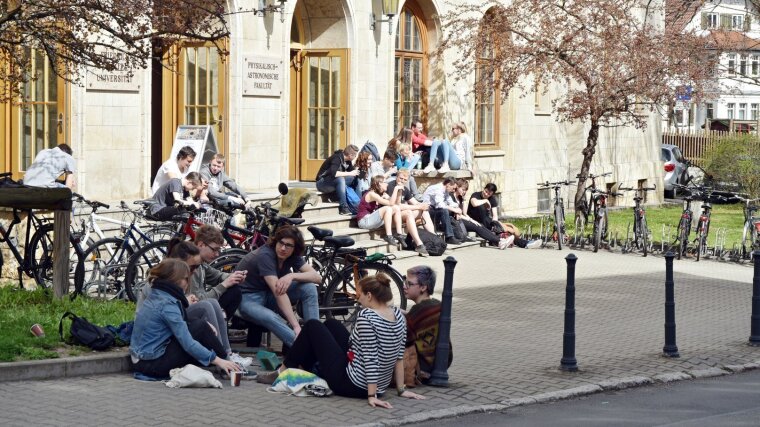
{"type": "Point", "coordinates": [262, 76]}
{"type": "Point", "coordinates": [122, 79]}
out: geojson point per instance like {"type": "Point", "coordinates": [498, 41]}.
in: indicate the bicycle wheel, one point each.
{"type": "Point", "coordinates": [155, 233]}
{"type": "Point", "coordinates": [559, 225]}
{"type": "Point", "coordinates": [140, 263]}
{"type": "Point", "coordinates": [701, 238]}
{"type": "Point", "coordinates": [227, 261]}
{"type": "Point", "coordinates": [339, 300]}
{"type": "Point", "coordinates": [747, 241]}
{"type": "Point", "coordinates": [41, 258]}
{"type": "Point", "coordinates": [580, 228]}
{"type": "Point", "coordinates": [644, 230]}
{"type": "Point", "coordinates": [599, 226]}
{"type": "Point", "coordinates": [101, 272]}
{"type": "Point", "coordinates": [683, 237]}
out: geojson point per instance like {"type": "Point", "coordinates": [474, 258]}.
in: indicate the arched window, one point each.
{"type": "Point", "coordinates": [410, 78]}
{"type": "Point", "coordinates": [487, 99]}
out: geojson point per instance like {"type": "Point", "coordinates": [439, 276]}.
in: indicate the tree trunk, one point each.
{"type": "Point", "coordinates": [588, 155]}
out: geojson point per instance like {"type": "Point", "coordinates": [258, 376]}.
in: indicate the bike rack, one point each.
{"type": "Point", "coordinates": [628, 244]}
{"type": "Point", "coordinates": [544, 232]}
{"type": "Point", "coordinates": [720, 242]}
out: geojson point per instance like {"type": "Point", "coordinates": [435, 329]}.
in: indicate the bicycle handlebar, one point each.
{"type": "Point", "coordinates": [592, 176]}
{"type": "Point", "coordinates": [92, 203]}
{"type": "Point", "coordinates": [638, 189]}
{"type": "Point", "coordinates": [555, 184]}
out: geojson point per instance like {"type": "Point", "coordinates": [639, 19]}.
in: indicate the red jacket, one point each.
{"type": "Point", "coordinates": [418, 140]}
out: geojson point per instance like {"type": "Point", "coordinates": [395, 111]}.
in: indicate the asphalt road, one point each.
{"type": "Point", "coordinates": [732, 400]}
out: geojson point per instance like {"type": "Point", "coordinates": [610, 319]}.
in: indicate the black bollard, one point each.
{"type": "Point", "coordinates": [670, 349]}
{"type": "Point", "coordinates": [568, 362]}
{"type": "Point", "coordinates": [440, 376]}
{"type": "Point", "coordinates": [754, 337]}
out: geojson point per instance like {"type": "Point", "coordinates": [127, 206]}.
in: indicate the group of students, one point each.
{"type": "Point", "coordinates": [178, 322]}
{"type": "Point", "coordinates": [175, 184]}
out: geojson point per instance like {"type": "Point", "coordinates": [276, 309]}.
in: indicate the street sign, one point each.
{"type": "Point", "coordinates": [683, 93]}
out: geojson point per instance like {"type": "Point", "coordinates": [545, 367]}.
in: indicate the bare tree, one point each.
{"type": "Point", "coordinates": [105, 34]}
{"type": "Point", "coordinates": [614, 60]}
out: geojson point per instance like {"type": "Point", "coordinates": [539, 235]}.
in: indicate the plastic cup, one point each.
{"type": "Point", "coordinates": [37, 330]}
{"type": "Point", "coordinates": [235, 377]}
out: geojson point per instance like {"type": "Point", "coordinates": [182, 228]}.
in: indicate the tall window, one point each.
{"type": "Point", "coordinates": [486, 104]}
{"type": "Point", "coordinates": [409, 91]}
{"type": "Point", "coordinates": [753, 111]}
{"type": "Point", "coordinates": [709, 111]}
{"type": "Point", "coordinates": [742, 111]}
{"type": "Point", "coordinates": [755, 65]}
{"type": "Point", "coordinates": [737, 22]}
{"type": "Point", "coordinates": [730, 108]}
{"type": "Point", "coordinates": [731, 64]}
{"type": "Point", "coordinates": [201, 83]}
{"type": "Point", "coordinates": [742, 65]}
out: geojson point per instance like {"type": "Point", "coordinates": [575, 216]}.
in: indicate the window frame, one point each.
{"type": "Point", "coordinates": [494, 103]}
{"type": "Point", "coordinates": [737, 22]}
{"type": "Point", "coordinates": [731, 64]}
{"type": "Point", "coordinates": [399, 55]}
{"type": "Point", "coordinates": [709, 110]}
{"type": "Point", "coordinates": [730, 107]}
{"type": "Point", "coordinates": [712, 20]}
{"type": "Point", "coordinates": [741, 111]}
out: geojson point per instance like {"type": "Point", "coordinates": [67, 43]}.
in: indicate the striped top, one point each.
{"type": "Point", "coordinates": [376, 344]}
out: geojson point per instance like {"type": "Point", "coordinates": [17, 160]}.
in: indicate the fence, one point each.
{"type": "Point", "coordinates": [694, 144]}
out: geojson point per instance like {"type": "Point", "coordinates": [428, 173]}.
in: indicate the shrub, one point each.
{"type": "Point", "coordinates": [735, 160]}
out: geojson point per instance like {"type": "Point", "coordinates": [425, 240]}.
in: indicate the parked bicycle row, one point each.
{"type": "Point", "coordinates": [692, 232]}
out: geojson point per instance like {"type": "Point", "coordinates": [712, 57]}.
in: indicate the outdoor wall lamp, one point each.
{"type": "Point", "coordinates": [389, 9]}
{"type": "Point", "coordinates": [270, 7]}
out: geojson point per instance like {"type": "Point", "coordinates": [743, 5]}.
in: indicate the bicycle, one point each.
{"type": "Point", "coordinates": [703, 223]}
{"type": "Point", "coordinates": [559, 233]}
{"type": "Point", "coordinates": [599, 233]}
{"type": "Point", "coordinates": [641, 233]}
{"type": "Point", "coordinates": [584, 209]}
{"type": "Point", "coordinates": [684, 224]}
{"type": "Point", "coordinates": [36, 259]}
{"type": "Point", "coordinates": [751, 230]}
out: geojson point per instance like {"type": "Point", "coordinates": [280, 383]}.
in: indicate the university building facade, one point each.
{"type": "Point", "coordinates": [295, 87]}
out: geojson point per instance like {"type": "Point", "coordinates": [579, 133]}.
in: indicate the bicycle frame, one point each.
{"type": "Point", "coordinates": [24, 261]}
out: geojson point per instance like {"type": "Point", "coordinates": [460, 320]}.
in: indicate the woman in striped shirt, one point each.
{"type": "Point", "coordinates": [360, 364]}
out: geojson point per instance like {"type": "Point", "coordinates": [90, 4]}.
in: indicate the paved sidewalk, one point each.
{"type": "Point", "coordinates": [507, 336]}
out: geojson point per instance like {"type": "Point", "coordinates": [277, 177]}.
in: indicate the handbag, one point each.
{"type": "Point", "coordinates": [192, 376]}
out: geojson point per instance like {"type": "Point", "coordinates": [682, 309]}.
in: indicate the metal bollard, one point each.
{"type": "Point", "coordinates": [440, 376]}
{"type": "Point", "coordinates": [568, 362]}
{"type": "Point", "coordinates": [670, 349]}
{"type": "Point", "coordinates": [754, 337]}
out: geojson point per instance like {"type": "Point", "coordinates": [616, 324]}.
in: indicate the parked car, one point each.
{"type": "Point", "coordinates": [675, 166]}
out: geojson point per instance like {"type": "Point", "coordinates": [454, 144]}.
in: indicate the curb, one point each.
{"type": "Point", "coordinates": [65, 367]}
{"type": "Point", "coordinates": [570, 393]}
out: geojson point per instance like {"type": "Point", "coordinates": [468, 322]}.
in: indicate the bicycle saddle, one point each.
{"type": "Point", "coordinates": [339, 241]}
{"type": "Point", "coordinates": [319, 233]}
{"type": "Point", "coordinates": [290, 221]}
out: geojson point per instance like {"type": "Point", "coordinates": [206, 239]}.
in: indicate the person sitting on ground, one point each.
{"type": "Point", "coordinates": [176, 190]}
{"type": "Point", "coordinates": [441, 202]}
{"type": "Point", "coordinates": [362, 363]}
{"type": "Point", "coordinates": [375, 211]}
{"type": "Point", "coordinates": [163, 338]}
{"type": "Point", "coordinates": [174, 168]}
{"type": "Point", "coordinates": [422, 319]}
{"type": "Point", "coordinates": [470, 224]}
{"type": "Point", "coordinates": [454, 155]}
{"type": "Point", "coordinates": [420, 142]}
{"type": "Point", "coordinates": [218, 181]}
{"type": "Point", "coordinates": [336, 173]}
{"type": "Point", "coordinates": [387, 168]}
{"type": "Point", "coordinates": [362, 180]}
{"type": "Point", "coordinates": [483, 209]}
{"type": "Point", "coordinates": [412, 209]}
{"type": "Point", "coordinates": [405, 159]}
{"type": "Point", "coordinates": [49, 164]}
{"type": "Point", "coordinates": [277, 277]}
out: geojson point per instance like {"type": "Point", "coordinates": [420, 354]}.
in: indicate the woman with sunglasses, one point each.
{"type": "Point", "coordinates": [453, 155]}
{"type": "Point", "coordinates": [277, 277]}
{"type": "Point", "coordinates": [362, 363]}
{"type": "Point", "coordinates": [164, 337]}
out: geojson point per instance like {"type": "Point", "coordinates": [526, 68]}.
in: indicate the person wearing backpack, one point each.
{"type": "Point", "coordinates": [163, 338]}
{"type": "Point", "coordinates": [336, 173]}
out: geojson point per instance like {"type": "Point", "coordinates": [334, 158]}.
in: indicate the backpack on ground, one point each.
{"type": "Point", "coordinates": [434, 244]}
{"type": "Point", "coordinates": [85, 333]}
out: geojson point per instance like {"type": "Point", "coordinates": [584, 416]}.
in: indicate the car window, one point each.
{"type": "Point", "coordinates": [677, 154]}
{"type": "Point", "coordinates": [665, 155]}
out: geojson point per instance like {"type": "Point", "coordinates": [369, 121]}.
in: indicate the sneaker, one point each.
{"type": "Point", "coordinates": [390, 240]}
{"type": "Point", "coordinates": [453, 241]}
{"type": "Point", "coordinates": [400, 238]}
{"type": "Point", "coordinates": [510, 241]}
{"type": "Point", "coordinates": [429, 168]}
{"type": "Point", "coordinates": [244, 362]}
{"type": "Point", "coordinates": [534, 244]}
{"type": "Point", "coordinates": [503, 244]}
{"type": "Point", "coordinates": [345, 211]}
{"type": "Point", "coordinates": [267, 377]}
{"type": "Point", "coordinates": [420, 249]}
{"type": "Point", "coordinates": [444, 169]}
{"type": "Point", "coordinates": [468, 239]}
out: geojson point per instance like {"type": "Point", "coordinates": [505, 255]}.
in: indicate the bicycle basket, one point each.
{"type": "Point", "coordinates": [213, 217]}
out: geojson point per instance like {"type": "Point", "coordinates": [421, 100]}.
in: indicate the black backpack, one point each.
{"type": "Point", "coordinates": [85, 333]}
{"type": "Point", "coordinates": [434, 244]}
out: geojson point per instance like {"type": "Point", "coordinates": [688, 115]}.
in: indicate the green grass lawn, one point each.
{"type": "Point", "coordinates": [20, 309]}
{"type": "Point", "coordinates": [662, 222]}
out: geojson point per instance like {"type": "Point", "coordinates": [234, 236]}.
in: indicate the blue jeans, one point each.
{"type": "Point", "coordinates": [443, 151]}
{"type": "Point", "coordinates": [336, 185]}
{"type": "Point", "coordinates": [261, 308]}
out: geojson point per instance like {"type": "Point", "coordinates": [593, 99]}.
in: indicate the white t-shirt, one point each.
{"type": "Point", "coordinates": [162, 176]}
{"type": "Point", "coordinates": [49, 164]}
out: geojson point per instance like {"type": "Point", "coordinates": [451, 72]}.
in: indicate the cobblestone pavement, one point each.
{"type": "Point", "coordinates": [507, 336]}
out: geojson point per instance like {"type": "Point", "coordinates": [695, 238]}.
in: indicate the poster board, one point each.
{"type": "Point", "coordinates": [201, 139]}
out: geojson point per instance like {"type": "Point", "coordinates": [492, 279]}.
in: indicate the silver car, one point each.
{"type": "Point", "coordinates": [675, 166]}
